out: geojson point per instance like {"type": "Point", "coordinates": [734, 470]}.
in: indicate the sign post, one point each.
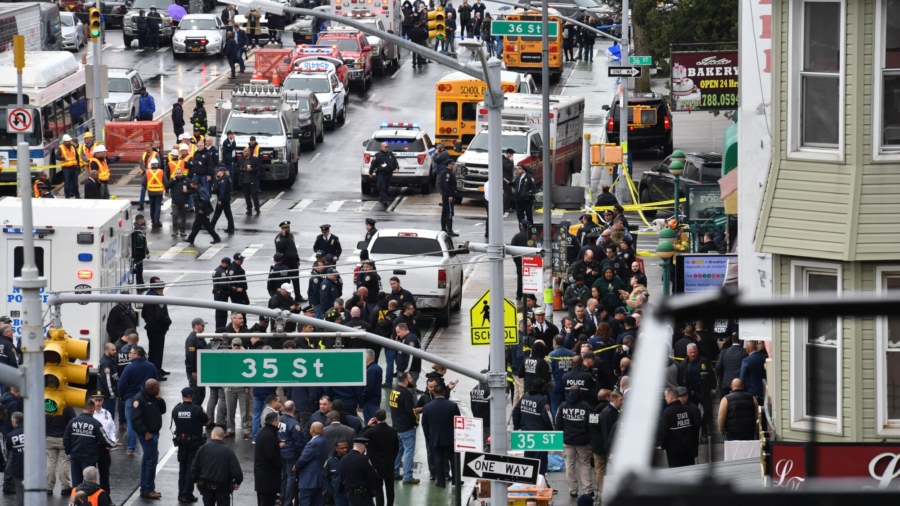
{"type": "Point", "coordinates": [480, 321]}
{"type": "Point", "coordinates": [488, 466]}
{"type": "Point", "coordinates": [249, 368]}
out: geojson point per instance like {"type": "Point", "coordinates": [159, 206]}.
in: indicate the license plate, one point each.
{"type": "Point", "coordinates": [531, 58]}
{"type": "Point", "coordinates": [195, 49]}
{"type": "Point", "coordinates": [481, 188]}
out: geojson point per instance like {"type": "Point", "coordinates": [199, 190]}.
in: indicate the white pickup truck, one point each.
{"type": "Point", "coordinates": [427, 264]}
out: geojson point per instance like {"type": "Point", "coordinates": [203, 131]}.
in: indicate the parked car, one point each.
{"type": "Point", "coordinates": [310, 117]}
{"type": "Point", "coordinates": [124, 93]}
{"type": "Point", "coordinates": [72, 31]}
{"type": "Point", "coordinates": [652, 129]}
{"type": "Point", "coordinates": [201, 34]}
{"type": "Point", "coordinates": [658, 184]}
{"type": "Point", "coordinates": [166, 28]}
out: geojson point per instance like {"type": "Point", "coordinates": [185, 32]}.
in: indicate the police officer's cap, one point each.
{"type": "Point", "coordinates": [325, 227]}
{"type": "Point", "coordinates": [284, 224]}
{"type": "Point", "coordinates": [97, 394]}
{"type": "Point", "coordinates": [278, 257]}
{"type": "Point", "coordinates": [238, 256]}
{"type": "Point", "coordinates": [308, 309]}
{"type": "Point", "coordinates": [331, 270]}
{"type": "Point", "coordinates": [187, 392]}
{"type": "Point", "coordinates": [361, 440]}
{"type": "Point", "coordinates": [198, 321]}
{"type": "Point", "coordinates": [449, 162]}
{"type": "Point", "coordinates": [230, 132]}
{"type": "Point", "coordinates": [618, 207]}
{"type": "Point", "coordinates": [523, 167]}
{"type": "Point", "coordinates": [607, 212]}
{"type": "Point", "coordinates": [510, 151]}
{"type": "Point", "coordinates": [525, 223]}
{"type": "Point", "coordinates": [628, 240]}
{"type": "Point", "coordinates": [320, 254]}
{"type": "Point", "coordinates": [225, 260]}
{"type": "Point", "coordinates": [329, 258]}
{"type": "Point", "coordinates": [538, 311]}
{"type": "Point", "coordinates": [682, 391]}
{"type": "Point", "coordinates": [370, 221]}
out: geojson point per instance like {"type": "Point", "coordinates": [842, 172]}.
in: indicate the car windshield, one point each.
{"type": "Point", "coordinates": [161, 5]}
{"type": "Point", "coordinates": [397, 145]}
{"type": "Point", "coordinates": [251, 125]}
{"type": "Point", "coordinates": [516, 142]}
{"type": "Point", "coordinates": [313, 84]}
{"type": "Point", "coordinates": [120, 85]}
{"type": "Point", "coordinates": [342, 44]}
{"type": "Point", "coordinates": [406, 246]}
{"type": "Point", "coordinates": [67, 20]}
{"type": "Point", "coordinates": [197, 24]}
{"type": "Point", "coordinates": [302, 105]}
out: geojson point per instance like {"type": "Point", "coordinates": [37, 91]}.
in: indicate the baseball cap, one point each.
{"type": "Point", "coordinates": [237, 340]}
{"type": "Point", "coordinates": [5, 319]}
{"type": "Point", "coordinates": [588, 355]}
{"type": "Point", "coordinates": [263, 318]}
{"type": "Point", "coordinates": [187, 392]}
{"type": "Point", "coordinates": [287, 286]}
{"type": "Point", "coordinates": [225, 260]}
{"type": "Point", "coordinates": [238, 256]}
{"type": "Point", "coordinates": [278, 257]}
{"type": "Point", "coordinates": [682, 391]}
{"type": "Point", "coordinates": [621, 310]}
{"type": "Point", "coordinates": [320, 254]}
{"type": "Point", "coordinates": [198, 321]}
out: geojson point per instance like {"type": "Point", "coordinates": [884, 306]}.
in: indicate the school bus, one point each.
{"type": "Point", "coordinates": [456, 103]}
{"type": "Point", "coordinates": [523, 53]}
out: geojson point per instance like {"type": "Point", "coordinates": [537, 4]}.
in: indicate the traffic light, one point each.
{"type": "Point", "coordinates": [94, 23]}
{"type": "Point", "coordinates": [437, 26]}
{"type": "Point", "coordinates": [59, 347]}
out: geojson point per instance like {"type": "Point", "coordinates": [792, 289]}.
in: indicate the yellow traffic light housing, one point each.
{"type": "Point", "coordinates": [606, 154]}
{"type": "Point", "coordinates": [642, 115]}
{"type": "Point", "coordinates": [437, 25]}
{"type": "Point", "coordinates": [94, 23]}
{"type": "Point", "coordinates": [59, 372]}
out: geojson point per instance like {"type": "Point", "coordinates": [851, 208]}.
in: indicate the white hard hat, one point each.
{"type": "Point", "coordinates": [67, 138]}
{"type": "Point", "coordinates": [154, 163]}
{"type": "Point", "coordinates": [185, 136]}
{"type": "Point", "coordinates": [174, 152]}
{"type": "Point", "coordinates": [184, 147]}
{"type": "Point", "coordinates": [100, 149]}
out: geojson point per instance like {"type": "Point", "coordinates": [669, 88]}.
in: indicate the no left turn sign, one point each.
{"type": "Point", "coordinates": [19, 120]}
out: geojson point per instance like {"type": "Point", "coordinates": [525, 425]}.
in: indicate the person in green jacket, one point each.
{"type": "Point", "coordinates": [610, 288]}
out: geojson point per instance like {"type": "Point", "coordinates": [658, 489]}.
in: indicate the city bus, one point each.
{"type": "Point", "coordinates": [54, 87]}
{"type": "Point", "coordinates": [456, 103]}
{"type": "Point", "coordinates": [523, 53]}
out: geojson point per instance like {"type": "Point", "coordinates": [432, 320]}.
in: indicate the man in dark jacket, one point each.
{"type": "Point", "coordinates": [146, 420]}
{"type": "Point", "coordinates": [154, 20]}
{"type": "Point", "coordinates": [179, 188]}
{"type": "Point", "coordinates": [753, 372]}
{"type": "Point", "coordinates": [729, 365]}
{"type": "Point", "coordinates": [697, 375]}
{"type": "Point", "coordinates": [156, 323]}
{"type": "Point", "coordinates": [532, 412]}
{"type": "Point", "coordinates": [191, 345]}
{"type": "Point", "coordinates": [108, 377]}
{"type": "Point", "coordinates": [92, 187]}
{"type": "Point", "coordinates": [447, 185]}
{"type": "Point", "coordinates": [418, 35]}
{"type": "Point", "coordinates": [83, 438]}
{"type": "Point", "coordinates": [216, 470]}
{"type": "Point", "coordinates": [437, 423]}
{"type": "Point", "coordinates": [290, 432]}
{"type": "Point", "coordinates": [204, 211]}
{"type": "Point", "coordinates": [15, 466]}
{"type": "Point", "coordinates": [571, 418]}
{"type": "Point", "coordinates": [278, 274]}
{"type": "Point", "coordinates": [121, 317]}
{"type": "Point", "coordinates": [222, 190]}
{"type": "Point", "coordinates": [382, 168]}
{"type": "Point", "coordinates": [600, 422]}
{"type": "Point", "coordinates": [267, 462]}
{"type": "Point", "coordinates": [309, 467]}
{"type": "Point", "coordinates": [677, 431]}
{"type": "Point", "coordinates": [178, 117]}
{"type": "Point", "coordinates": [249, 169]}
{"type": "Point", "coordinates": [524, 192]}
{"type": "Point", "coordinates": [189, 421]}
{"type": "Point", "coordinates": [12, 401]}
{"type": "Point", "coordinates": [383, 448]}
{"type": "Point", "coordinates": [285, 244]}
{"type": "Point", "coordinates": [535, 366]}
{"type": "Point", "coordinates": [133, 377]}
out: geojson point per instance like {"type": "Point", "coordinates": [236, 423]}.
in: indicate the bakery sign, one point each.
{"type": "Point", "coordinates": [876, 465]}
{"type": "Point", "coordinates": [704, 81]}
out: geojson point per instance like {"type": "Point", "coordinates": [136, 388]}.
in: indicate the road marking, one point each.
{"type": "Point", "coordinates": [302, 205]}
{"type": "Point", "coordinates": [474, 266]}
{"type": "Point", "coordinates": [159, 467]}
{"type": "Point", "coordinates": [314, 157]}
{"type": "Point", "coordinates": [396, 202]}
{"type": "Point", "coordinates": [174, 250]}
{"type": "Point", "coordinates": [370, 97]}
{"type": "Point", "coordinates": [162, 50]}
{"type": "Point", "coordinates": [166, 205]}
{"type": "Point", "coordinates": [271, 202]}
{"type": "Point", "coordinates": [211, 252]}
{"type": "Point", "coordinates": [334, 206]}
{"type": "Point", "coordinates": [138, 50]}
{"type": "Point", "coordinates": [249, 252]}
{"type": "Point", "coordinates": [367, 206]}
{"type": "Point", "coordinates": [399, 68]}
{"type": "Point", "coordinates": [237, 206]}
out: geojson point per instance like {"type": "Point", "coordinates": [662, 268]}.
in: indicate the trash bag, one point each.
{"type": "Point", "coordinates": [555, 463]}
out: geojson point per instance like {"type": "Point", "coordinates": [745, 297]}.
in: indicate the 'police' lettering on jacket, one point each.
{"type": "Point", "coordinates": [683, 421]}
{"type": "Point", "coordinates": [573, 414]}
{"type": "Point", "coordinates": [82, 429]}
{"type": "Point", "coordinates": [529, 406]}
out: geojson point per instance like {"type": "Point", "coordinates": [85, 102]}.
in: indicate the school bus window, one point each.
{"type": "Point", "coordinates": [19, 260]}
{"type": "Point", "coordinates": [469, 111]}
{"type": "Point", "coordinates": [512, 38]}
{"type": "Point", "coordinates": [449, 111]}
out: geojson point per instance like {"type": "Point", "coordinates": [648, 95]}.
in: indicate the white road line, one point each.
{"type": "Point", "coordinates": [249, 252]}
{"type": "Point", "coordinates": [468, 275]}
{"type": "Point", "coordinates": [138, 50]}
{"type": "Point", "coordinates": [121, 47]}
{"type": "Point", "coordinates": [311, 160]}
{"type": "Point", "coordinates": [396, 202]}
{"type": "Point", "coordinates": [166, 205]}
{"type": "Point", "coordinates": [162, 50]}
{"type": "Point", "coordinates": [237, 206]}
{"type": "Point", "coordinates": [271, 202]}
{"type": "Point", "coordinates": [159, 467]}
{"type": "Point", "coordinates": [173, 251]}
{"type": "Point", "coordinates": [370, 97]}
{"type": "Point", "coordinates": [179, 278]}
{"type": "Point", "coordinates": [211, 252]}
{"type": "Point", "coordinates": [367, 206]}
{"type": "Point", "coordinates": [334, 206]}
{"type": "Point", "coordinates": [302, 205]}
{"type": "Point", "coordinates": [399, 68]}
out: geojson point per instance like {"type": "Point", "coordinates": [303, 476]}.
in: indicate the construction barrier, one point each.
{"type": "Point", "coordinates": [270, 60]}
{"type": "Point", "coordinates": [128, 139]}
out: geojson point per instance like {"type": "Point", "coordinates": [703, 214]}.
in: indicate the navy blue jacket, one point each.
{"type": "Point", "coordinates": [134, 376]}
{"type": "Point", "coordinates": [290, 431]}
{"type": "Point", "coordinates": [83, 438]}
{"type": "Point", "coordinates": [753, 372]}
{"type": "Point", "coordinates": [12, 404]}
{"type": "Point", "coordinates": [16, 443]}
{"type": "Point", "coordinates": [330, 247]}
{"type": "Point", "coordinates": [372, 391]}
{"type": "Point", "coordinates": [8, 354]}
{"type": "Point", "coordinates": [437, 421]}
{"type": "Point", "coordinates": [532, 413]}
{"type": "Point", "coordinates": [156, 316]}
{"type": "Point", "coordinates": [312, 460]}
{"type": "Point", "coordinates": [352, 397]}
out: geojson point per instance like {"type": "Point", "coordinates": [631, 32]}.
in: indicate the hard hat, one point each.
{"type": "Point", "coordinates": [200, 100]}
{"type": "Point", "coordinates": [673, 224]}
{"type": "Point", "coordinates": [184, 147]}
{"type": "Point", "coordinates": [154, 163]}
{"type": "Point", "coordinates": [174, 152]}
{"type": "Point", "coordinates": [67, 138]}
{"type": "Point", "coordinates": [100, 149]}
{"type": "Point", "coordinates": [88, 135]}
{"type": "Point", "coordinates": [185, 136]}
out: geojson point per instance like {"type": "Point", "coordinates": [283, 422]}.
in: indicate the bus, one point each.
{"type": "Point", "coordinates": [456, 103]}
{"type": "Point", "coordinates": [54, 87]}
{"type": "Point", "coordinates": [523, 53]}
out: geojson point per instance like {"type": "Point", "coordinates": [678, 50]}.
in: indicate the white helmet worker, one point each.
{"type": "Point", "coordinates": [100, 149]}
{"type": "Point", "coordinates": [184, 147]}
{"type": "Point", "coordinates": [67, 138]}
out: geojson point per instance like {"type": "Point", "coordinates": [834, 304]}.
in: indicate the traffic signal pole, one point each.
{"type": "Point", "coordinates": [96, 35]}
{"type": "Point", "coordinates": [622, 185]}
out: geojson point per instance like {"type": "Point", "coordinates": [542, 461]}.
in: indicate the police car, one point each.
{"type": "Point", "coordinates": [320, 78]}
{"type": "Point", "coordinates": [413, 149]}
{"type": "Point", "coordinates": [330, 54]}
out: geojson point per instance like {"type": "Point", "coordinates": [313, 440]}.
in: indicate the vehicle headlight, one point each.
{"type": "Point", "coordinates": [214, 40]}
{"type": "Point", "coordinates": [359, 60]}
{"type": "Point", "coordinates": [461, 169]}
{"type": "Point", "coordinates": [279, 154]}
{"type": "Point", "coordinates": [178, 38]}
{"type": "Point", "coordinates": [121, 106]}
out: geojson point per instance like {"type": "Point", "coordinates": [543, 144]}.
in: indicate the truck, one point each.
{"type": "Point", "coordinates": [522, 127]}
{"type": "Point", "coordinates": [80, 245]}
{"type": "Point", "coordinates": [261, 111]}
{"type": "Point", "coordinates": [427, 264]}
{"type": "Point", "coordinates": [27, 19]}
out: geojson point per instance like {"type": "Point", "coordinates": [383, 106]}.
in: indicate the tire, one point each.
{"type": "Point", "coordinates": [456, 306]}
{"type": "Point", "coordinates": [292, 178]}
{"type": "Point", "coordinates": [329, 125]}
{"type": "Point", "coordinates": [365, 187]}
{"type": "Point", "coordinates": [342, 118]}
{"type": "Point", "coordinates": [127, 40]}
{"type": "Point", "coordinates": [443, 319]}
{"type": "Point", "coordinates": [321, 134]}
{"type": "Point", "coordinates": [645, 199]}
{"type": "Point", "coordinates": [314, 141]}
{"type": "Point", "coordinates": [133, 115]}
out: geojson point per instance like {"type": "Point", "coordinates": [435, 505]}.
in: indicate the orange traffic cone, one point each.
{"type": "Point", "coordinates": [276, 79]}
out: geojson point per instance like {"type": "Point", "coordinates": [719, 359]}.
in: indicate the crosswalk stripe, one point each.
{"type": "Point", "coordinates": [367, 206]}
{"type": "Point", "coordinates": [166, 205]}
{"type": "Point", "coordinates": [173, 251]}
{"type": "Point", "coordinates": [249, 252]}
{"type": "Point", "coordinates": [314, 157]}
{"type": "Point", "coordinates": [138, 50]}
{"type": "Point", "coordinates": [271, 202]}
{"type": "Point", "coordinates": [162, 50]}
{"type": "Point", "coordinates": [302, 205]}
{"type": "Point", "coordinates": [211, 252]}
{"type": "Point", "coordinates": [334, 206]}
{"type": "Point", "coordinates": [121, 47]}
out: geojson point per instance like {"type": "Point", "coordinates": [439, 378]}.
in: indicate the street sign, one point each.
{"type": "Point", "coordinates": [502, 28]}
{"type": "Point", "coordinates": [536, 441]}
{"type": "Point", "coordinates": [468, 434]}
{"type": "Point", "coordinates": [532, 274]}
{"type": "Point", "coordinates": [488, 466]}
{"type": "Point", "coordinates": [480, 321]}
{"type": "Point", "coordinates": [19, 120]}
{"type": "Point", "coordinates": [624, 71]}
{"type": "Point", "coordinates": [720, 220]}
{"type": "Point", "coordinates": [249, 368]}
{"type": "Point", "coordinates": [640, 60]}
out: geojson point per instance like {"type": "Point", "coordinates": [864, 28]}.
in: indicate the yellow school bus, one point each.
{"type": "Point", "coordinates": [523, 53]}
{"type": "Point", "coordinates": [456, 104]}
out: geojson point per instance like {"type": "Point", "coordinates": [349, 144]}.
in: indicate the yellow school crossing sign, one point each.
{"type": "Point", "coordinates": [480, 320]}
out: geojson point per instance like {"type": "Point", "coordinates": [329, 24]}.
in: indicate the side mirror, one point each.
{"type": "Point", "coordinates": [605, 107]}
{"type": "Point", "coordinates": [211, 131]}
{"type": "Point", "coordinates": [536, 155]}
{"type": "Point", "coordinates": [365, 143]}
{"type": "Point", "coordinates": [457, 146]}
{"type": "Point", "coordinates": [661, 169]}
{"type": "Point", "coordinates": [297, 132]}
{"type": "Point", "coordinates": [391, 32]}
{"type": "Point", "coordinates": [367, 49]}
{"type": "Point", "coordinates": [361, 245]}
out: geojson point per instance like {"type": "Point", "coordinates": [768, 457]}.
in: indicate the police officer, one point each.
{"type": "Point", "coordinates": [191, 345]}
{"type": "Point", "coordinates": [524, 192]}
{"type": "Point", "coordinates": [480, 398]}
{"type": "Point", "coordinates": [328, 243]}
{"type": "Point", "coordinates": [533, 413]}
{"type": "Point", "coordinates": [108, 423]}
{"type": "Point", "coordinates": [189, 420]}
{"type": "Point", "coordinates": [146, 420]}
{"type": "Point", "coordinates": [448, 189]}
{"type": "Point", "coordinates": [82, 441]}
{"type": "Point", "coordinates": [370, 230]}
{"type": "Point", "coordinates": [223, 195]}
{"type": "Point", "coordinates": [108, 376]}
{"type": "Point", "coordinates": [571, 418]}
{"type": "Point", "coordinates": [284, 244]}
{"type": "Point", "coordinates": [328, 292]}
{"type": "Point", "coordinates": [239, 281]}
{"type": "Point", "coordinates": [290, 431]}
{"type": "Point", "coordinates": [216, 470]}
{"type": "Point", "coordinates": [314, 287]}
{"type": "Point", "coordinates": [278, 274]}
{"type": "Point", "coordinates": [359, 477]}
{"type": "Point", "coordinates": [382, 168]}
{"type": "Point", "coordinates": [15, 443]}
{"type": "Point", "coordinates": [222, 289]}
{"type": "Point", "coordinates": [679, 428]}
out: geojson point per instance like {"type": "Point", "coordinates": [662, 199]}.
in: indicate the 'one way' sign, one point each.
{"type": "Point", "coordinates": [488, 466]}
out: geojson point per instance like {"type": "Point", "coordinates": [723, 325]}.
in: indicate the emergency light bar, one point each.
{"type": "Point", "coordinates": [256, 90]}
{"type": "Point", "coordinates": [407, 126]}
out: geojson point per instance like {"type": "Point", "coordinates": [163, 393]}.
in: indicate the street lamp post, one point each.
{"type": "Point", "coordinates": [666, 250]}
{"type": "Point", "coordinates": [676, 168]}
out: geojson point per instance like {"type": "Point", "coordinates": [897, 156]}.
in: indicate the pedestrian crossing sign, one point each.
{"type": "Point", "coordinates": [480, 321]}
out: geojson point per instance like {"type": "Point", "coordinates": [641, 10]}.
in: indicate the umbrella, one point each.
{"type": "Point", "coordinates": [176, 12]}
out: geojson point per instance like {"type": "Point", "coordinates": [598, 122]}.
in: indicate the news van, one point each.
{"type": "Point", "coordinates": [80, 246]}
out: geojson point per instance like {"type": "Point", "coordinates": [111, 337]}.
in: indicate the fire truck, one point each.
{"type": "Point", "coordinates": [384, 53]}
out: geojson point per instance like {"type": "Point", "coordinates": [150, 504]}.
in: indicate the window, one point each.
{"type": "Point", "coordinates": [449, 111]}
{"type": "Point", "coordinates": [691, 172]}
{"type": "Point", "coordinates": [19, 260]}
{"type": "Point", "coordinates": [816, 373]}
{"type": "Point", "coordinates": [887, 84]}
{"type": "Point", "coordinates": [469, 111]}
{"type": "Point", "coordinates": [887, 346]}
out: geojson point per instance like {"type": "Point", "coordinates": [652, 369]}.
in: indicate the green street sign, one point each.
{"type": "Point", "coordinates": [513, 28]}
{"type": "Point", "coordinates": [720, 220]}
{"type": "Point", "coordinates": [249, 368]}
{"type": "Point", "coordinates": [536, 441]}
{"type": "Point", "coordinates": [640, 60]}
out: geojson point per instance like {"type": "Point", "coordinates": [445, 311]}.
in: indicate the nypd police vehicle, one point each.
{"type": "Point", "coordinates": [413, 149]}
{"type": "Point", "coordinates": [320, 77]}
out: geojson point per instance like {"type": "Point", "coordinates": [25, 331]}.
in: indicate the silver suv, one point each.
{"type": "Point", "coordinates": [124, 93]}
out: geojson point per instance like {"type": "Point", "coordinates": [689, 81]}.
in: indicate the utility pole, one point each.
{"type": "Point", "coordinates": [545, 135]}
{"type": "Point", "coordinates": [99, 116]}
{"type": "Point", "coordinates": [622, 185]}
{"type": "Point", "coordinates": [32, 340]}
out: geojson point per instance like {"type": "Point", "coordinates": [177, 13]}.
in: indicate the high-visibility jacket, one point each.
{"type": "Point", "coordinates": [85, 153]}
{"type": "Point", "coordinates": [198, 138]}
{"type": "Point", "coordinates": [155, 180]}
{"type": "Point", "coordinates": [175, 165]}
{"type": "Point", "coordinates": [255, 151]}
{"type": "Point", "coordinates": [93, 499]}
{"type": "Point", "coordinates": [70, 156]}
{"type": "Point", "coordinates": [146, 158]}
{"type": "Point", "coordinates": [102, 169]}
{"type": "Point", "coordinates": [40, 186]}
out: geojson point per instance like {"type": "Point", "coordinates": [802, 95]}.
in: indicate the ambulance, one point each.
{"type": "Point", "coordinates": [384, 53]}
{"type": "Point", "coordinates": [80, 246]}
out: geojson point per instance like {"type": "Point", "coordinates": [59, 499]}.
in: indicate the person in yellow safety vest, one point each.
{"type": "Point", "coordinates": [86, 150]}
{"type": "Point", "coordinates": [100, 162]}
{"type": "Point", "coordinates": [254, 147]}
{"type": "Point", "coordinates": [67, 158]}
{"type": "Point", "coordinates": [186, 155]}
{"type": "Point", "coordinates": [197, 137]}
{"type": "Point", "coordinates": [89, 491]}
{"type": "Point", "coordinates": [42, 186]}
{"type": "Point", "coordinates": [151, 153]}
{"type": "Point", "coordinates": [155, 181]}
{"type": "Point", "coordinates": [175, 163]}
{"type": "Point", "coordinates": [187, 140]}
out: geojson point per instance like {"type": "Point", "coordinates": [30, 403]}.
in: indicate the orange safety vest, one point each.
{"type": "Point", "coordinates": [155, 180]}
{"type": "Point", "coordinates": [176, 164]}
{"type": "Point", "coordinates": [70, 158]}
{"type": "Point", "coordinates": [39, 187]}
{"type": "Point", "coordinates": [198, 139]}
{"type": "Point", "coordinates": [102, 169]}
{"type": "Point", "coordinates": [85, 154]}
{"type": "Point", "coordinates": [255, 151]}
{"type": "Point", "coordinates": [145, 160]}
{"type": "Point", "coordinates": [93, 499]}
